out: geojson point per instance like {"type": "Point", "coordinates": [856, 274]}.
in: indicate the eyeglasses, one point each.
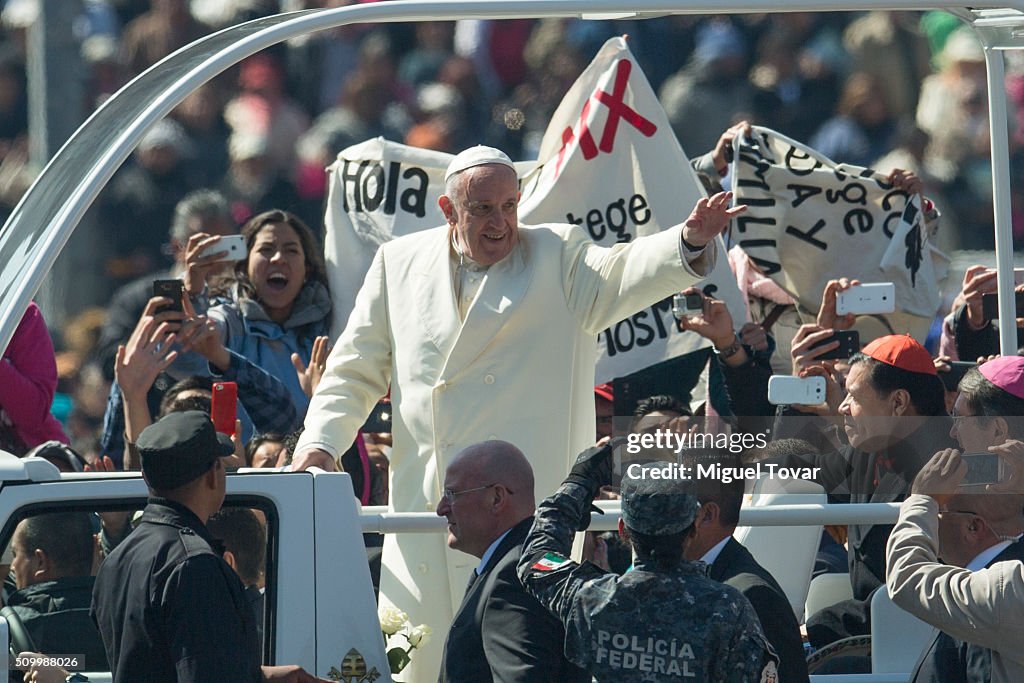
{"type": "Point", "coordinates": [958, 420]}
{"type": "Point", "coordinates": [958, 512]}
{"type": "Point", "coordinates": [485, 209]}
{"type": "Point", "coordinates": [450, 495]}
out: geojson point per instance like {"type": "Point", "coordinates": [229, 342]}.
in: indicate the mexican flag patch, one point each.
{"type": "Point", "coordinates": [550, 562]}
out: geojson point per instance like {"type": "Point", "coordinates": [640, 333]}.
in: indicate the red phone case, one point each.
{"type": "Point", "coordinates": [224, 409]}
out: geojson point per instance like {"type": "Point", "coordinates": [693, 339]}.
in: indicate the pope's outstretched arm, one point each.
{"type": "Point", "coordinates": [357, 376]}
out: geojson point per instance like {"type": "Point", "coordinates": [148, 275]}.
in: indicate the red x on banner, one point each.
{"type": "Point", "coordinates": [617, 109]}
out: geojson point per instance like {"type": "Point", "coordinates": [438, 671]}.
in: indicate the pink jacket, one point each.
{"type": "Point", "coordinates": [28, 380]}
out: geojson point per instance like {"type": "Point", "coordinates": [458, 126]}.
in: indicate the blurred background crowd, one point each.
{"type": "Point", "coordinates": [882, 89]}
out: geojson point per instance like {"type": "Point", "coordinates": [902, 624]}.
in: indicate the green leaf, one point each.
{"type": "Point", "coordinates": [398, 659]}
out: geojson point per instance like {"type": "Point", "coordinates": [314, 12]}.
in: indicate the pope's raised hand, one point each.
{"type": "Point", "coordinates": [710, 217]}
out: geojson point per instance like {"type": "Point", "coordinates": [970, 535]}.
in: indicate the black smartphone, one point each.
{"type": "Point", "coordinates": [171, 289]}
{"type": "Point", "coordinates": [990, 305]}
{"type": "Point", "coordinates": [849, 344]}
{"type": "Point", "coordinates": [957, 370]}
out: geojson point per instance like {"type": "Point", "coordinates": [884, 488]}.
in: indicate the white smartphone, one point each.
{"type": "Point", "coordinates": [877, 297]}
{"type": "Point", "coordinates": [234, 245]}
{"type": "Point", "coordinates": [792, 390]}
{"type": "Point", "coordinates": [983, 468]}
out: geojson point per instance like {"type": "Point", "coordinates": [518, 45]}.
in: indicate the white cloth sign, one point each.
{"type": "Point", "coordinates": [811, 220]}
{"type": "Point", "coordinates": [610, 143]}
{"type": "Point", "coordinates": [609, 162]}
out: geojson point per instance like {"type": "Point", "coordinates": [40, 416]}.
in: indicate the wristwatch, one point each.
{"type": "Point", "coordinates": [730, 350]}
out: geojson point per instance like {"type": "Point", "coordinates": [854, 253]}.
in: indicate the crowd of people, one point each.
{"type": "Point", "coordinates": [469, 354]}
{"type": "Point", "coordinates": [262, 134]}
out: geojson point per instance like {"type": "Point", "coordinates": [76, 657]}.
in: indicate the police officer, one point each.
{"type": "Point", "coordinates": [167, 606]}
{"type": "Point", "coordinates": [663, 621]}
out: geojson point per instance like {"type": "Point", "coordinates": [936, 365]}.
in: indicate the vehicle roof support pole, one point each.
{"type": "Point", "coordinates": [1001, 197]}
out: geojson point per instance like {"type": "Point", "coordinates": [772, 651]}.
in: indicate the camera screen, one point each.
{"type": "Point", "coordinates": [982, 468]}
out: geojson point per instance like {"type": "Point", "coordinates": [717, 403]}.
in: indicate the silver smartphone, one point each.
{"type": "Point", "coordinates": [876, 297]}
{"type": "Point", "coordinates": [791, 390]}
{"type": "Point", "coordinates": [232, 245]}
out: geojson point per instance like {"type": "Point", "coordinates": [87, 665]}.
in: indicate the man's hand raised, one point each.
{"type": "Point", "coordinates": [1012, 453]}
{"type": "Point", "coordinates": [709, 218]}
{"type": "Point", "coordinates": [594, 466]}
{"type": "Point", "coordinates": [940, 476]}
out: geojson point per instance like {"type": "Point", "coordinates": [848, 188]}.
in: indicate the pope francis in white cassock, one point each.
{"type": "Point", "coordinates": [484, 329]}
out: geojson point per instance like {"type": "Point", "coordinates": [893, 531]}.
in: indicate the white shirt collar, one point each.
{"type": "Point", "coordinates": [987, 555]}
{"type": "Point", "coordinates": [461, 260]}
{"type": "Point", "coordinates": [712, 555]}
{"type": "Point", "coordinates": [490, 551]}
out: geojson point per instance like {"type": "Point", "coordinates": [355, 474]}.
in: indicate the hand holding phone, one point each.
{"type": "Point", "coordinates": [867, 299]}
{"type": "Point", "coordinates": [687, 304]}
{"type": "Point", "coordinates": [230, 248]}
{"type": "Point", "coordinates": [983, 469]}
{"type": "Point", "coordinates": [170, 289]}
{"type": "Point", "coordinates": [990, 305]}
{"type": "Point", "coordinates": [791, 390]}
{"type": "Point", "coordinates": [849, 344]}
{"type": "Point", "coordinates": [224, 407]}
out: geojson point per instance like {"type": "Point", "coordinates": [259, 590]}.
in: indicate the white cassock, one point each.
{"type": "Point", "coordinates": [519, 367]}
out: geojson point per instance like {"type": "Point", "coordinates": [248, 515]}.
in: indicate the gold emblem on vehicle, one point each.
{"type": "Point", "coordinates": [353, 669]}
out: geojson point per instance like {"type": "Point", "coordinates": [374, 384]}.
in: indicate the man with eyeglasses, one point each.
{"type": "Point", "coordinates": [485, 329]}
{"type": "Point", "coordinates": [975, 596]}
{"type": "Point", "coordinates": [501, 632]}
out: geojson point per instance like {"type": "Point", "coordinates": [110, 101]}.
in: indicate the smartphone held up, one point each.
{"type": "Point", "coordinates": [224, 408]}
{"type": "Point", "coordinates": [684, 305]}
{"type": "Point", "coordinates": [170, 289]}
{"type": "Point", "coordinates": [790, 390]}
{"type": "Point", "coordinates": [983, 469]}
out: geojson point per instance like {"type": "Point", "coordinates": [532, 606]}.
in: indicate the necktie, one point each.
{"type": "Point", "coordinates": [472, 579]}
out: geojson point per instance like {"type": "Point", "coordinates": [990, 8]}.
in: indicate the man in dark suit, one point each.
{"type": "Point", "coordinates": [501, 632]}
{"type": "Point", "coordinates": [732, 564]}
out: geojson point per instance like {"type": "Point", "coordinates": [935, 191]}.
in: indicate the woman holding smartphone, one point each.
{"type": "Point", "coordinates": [273, 311]}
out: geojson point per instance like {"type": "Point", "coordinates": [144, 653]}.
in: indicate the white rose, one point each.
{"type": "Point", "coordinates": [392, 620]}
{"type": "Point", "coordinates": [419, 636]}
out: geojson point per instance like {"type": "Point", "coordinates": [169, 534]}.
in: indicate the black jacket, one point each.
{"type": "Point", "coordinates": [736, 567]}
{"type": "Point", "coordinates": [972, 344]}
{"type": "Point", "coordinates": [854, 476]}
{"type": "Point", "coordinates": [56, 616]}
{"type": "Point", "coordinates": [501, 632]}
{"type": "Point", "coordinates": [169, 609]}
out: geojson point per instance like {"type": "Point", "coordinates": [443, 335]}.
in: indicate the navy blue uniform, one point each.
{"type": "Point", "coordinates": [170, 609]}
{"type": "Point", "coordinates": [650, 624]}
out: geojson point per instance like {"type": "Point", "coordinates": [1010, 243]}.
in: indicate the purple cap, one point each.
{"type": "Point", "coordinates": [1007, 373]}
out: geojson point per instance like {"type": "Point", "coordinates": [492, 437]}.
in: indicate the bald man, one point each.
{"type": "Point", "coordinates": [500, 633]}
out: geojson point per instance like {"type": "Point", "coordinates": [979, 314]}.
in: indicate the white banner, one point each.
{"type": "Point", "coordinates": [811, 220]}
{"type": "Point", "coordinates": [609, 162]}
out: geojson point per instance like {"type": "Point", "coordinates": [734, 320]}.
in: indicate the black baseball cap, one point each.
{"type": "Point", "coordinates": [180, 448]}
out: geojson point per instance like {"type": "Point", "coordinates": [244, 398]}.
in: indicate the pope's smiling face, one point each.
{"type": "Point", "coordinates": [483, 211]}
